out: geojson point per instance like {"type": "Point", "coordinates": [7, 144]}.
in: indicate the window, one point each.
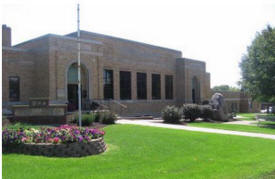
{"type": "Point", "coordinates": [156, 86]}
{"type": "Point", "coordinates": [108, 84]}
{"type": "Point", "coordinates": [14, 88]}
{"type": "Point", "coordinates": [141, 86]}
{"type": "Point", "coordinates": [168, 86]}
{"type": "Point", "coordinates": [125, 85]}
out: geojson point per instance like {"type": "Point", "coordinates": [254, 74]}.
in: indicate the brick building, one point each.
{"type": "Point", "coordinates": [115, 72]}
{"type": "Point", "coordinates": [239, 102]}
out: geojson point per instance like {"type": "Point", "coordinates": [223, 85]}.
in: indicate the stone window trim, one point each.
{"type": "Point", "coordinates": [14, 94]}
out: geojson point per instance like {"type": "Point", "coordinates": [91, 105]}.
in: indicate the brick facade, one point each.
{"type": "Point", "coordinates": [239, 102]}
{"type": "Point", "coordinates": [49, 57]}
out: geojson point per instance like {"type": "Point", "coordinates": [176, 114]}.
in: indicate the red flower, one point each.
{"type": "Point", "coordinates": [55, 140]}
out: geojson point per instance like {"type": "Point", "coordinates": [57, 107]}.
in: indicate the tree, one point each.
{"type": "Point", "coordinates": [258, 67]}
{"type": "Point", "coordinates": [225, 88]}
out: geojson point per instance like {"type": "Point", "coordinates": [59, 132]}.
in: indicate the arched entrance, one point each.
{"type": "Point", "coordinates": [72, 86]}
{"type": "Point", "coordinates": [195, 90]}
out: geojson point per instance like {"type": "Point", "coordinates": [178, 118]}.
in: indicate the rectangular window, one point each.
{"type": "Point", "coordinates": [141, 86]}
{"type": "Point", "coordinates": [156, 93]}
{"type": "Point", "coordinates": [108, 84]}
{"type": "Point", "coordinates": [168, 86]}
{"type": "Point", "coordinates": [14, 88]}
{"type": "Point", "coordinates": [125, 84]}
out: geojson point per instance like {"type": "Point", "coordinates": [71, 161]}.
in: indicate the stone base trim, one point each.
{"type": "Point", "coordinates": [77, 149]}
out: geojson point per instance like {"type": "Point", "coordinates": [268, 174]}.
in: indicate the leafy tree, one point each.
{"type": "Point", "coordinates": [225, 88]}
{"type": "Point", "coordinates": [258, 67]}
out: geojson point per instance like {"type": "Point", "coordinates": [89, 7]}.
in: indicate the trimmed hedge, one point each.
{"type": "Point", "coordinates": [107, 117]}
{"type": "Point", "coordinates": [206, 112]}
{"type": "Point", "coordinates": [171, 114]}
{"type": "Point", "coordinates": [87, 119]}
{"type": "Point", "coordinates": [191, 111]}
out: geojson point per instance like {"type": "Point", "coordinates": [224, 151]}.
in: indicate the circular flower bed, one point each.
{"type": "Point", "coordinates": [63, 141]}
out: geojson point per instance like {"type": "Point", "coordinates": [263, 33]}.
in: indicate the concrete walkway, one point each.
{"type": "Point", "coordinates": [243, 122]}
{"type": "Point", "coordinates": [158, 123]}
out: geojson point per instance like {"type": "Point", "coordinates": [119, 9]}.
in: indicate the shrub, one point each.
{"type": "Point", "coordinates": [171, 114]}
{"type": "Point", "coordinates": [205, 102]}
{"type": "Point", "coordinates": [62, 134]}
{"type": "Point", "coordinates": [97, 116]}
{"type": "Point", "coordinates": [191, 111]}
{"type": "Point", "coordinates": [108, 117]}
{"type": "Point", "coordinates": [206, 112]}
{"type": "Point", "coordinates": [87, 119]}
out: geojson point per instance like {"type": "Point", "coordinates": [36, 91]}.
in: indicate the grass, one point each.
{"type": "Point", "coordinates": [252, 116]}
{"type": "Point", "coordinates": [265, 127]}
{"type": "Point", "coordinates": [148, 152]}
{"type": "Point", "coordinates": [248, 116]}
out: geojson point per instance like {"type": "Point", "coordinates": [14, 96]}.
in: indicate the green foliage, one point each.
{"type": "Point", "coordinates": [97, 116]}
{"type": "Point", "coordinates": [258, 67]}
{"type": "Point", "coordinates": [206, 112]}
{"type": "Point", "coordinates": [171, 114]}
{"type": "Point", "coordinates": [225, 88]}
{"type": "Point", "coordinates": [191, 111]}
{"type": "Point", "coordinates": [108, 117]}
{"type": "Point", "coordinates": [87, 119]}
{"type": "Point", "coordinates": [19, 125]}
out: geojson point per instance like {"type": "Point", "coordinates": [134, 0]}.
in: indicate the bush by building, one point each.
{"type": "Point", "coordinates": [171, 114]}
{"type": "Point", "coordinates": [206, 112]}
{"type": "Point", "coordinates": [191, 111]}
{"type": "Point", "coordinates": [107, 117]}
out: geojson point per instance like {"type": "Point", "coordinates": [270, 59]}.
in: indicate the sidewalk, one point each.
{"type": "Point", "coordinates": [158, 123]}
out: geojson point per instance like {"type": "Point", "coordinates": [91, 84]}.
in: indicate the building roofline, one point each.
{"type": "Point", "coordinates": [59, 36]}
{"type": "Point", "coordinates": [190, 59]}
{"type": "Point", "coordinates": [31, 40]}
{"type": "Point", "coordinates": [13, 49]}
{"type": "Point", "coordinates": [126, 40]}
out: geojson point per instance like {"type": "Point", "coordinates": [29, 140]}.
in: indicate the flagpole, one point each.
{"type": "Point", "coordinates": [79, 68]}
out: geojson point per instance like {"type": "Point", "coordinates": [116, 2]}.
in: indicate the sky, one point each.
{"type": "Point", "coordinates": [215, 31]}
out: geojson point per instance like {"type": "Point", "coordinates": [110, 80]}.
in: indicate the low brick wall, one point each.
{"type": "Point", "coordinates": [76, 149]}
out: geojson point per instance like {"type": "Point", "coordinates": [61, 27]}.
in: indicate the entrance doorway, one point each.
{"type": "Point", "coordinates": [72, 87]}
{"type": "Point", "coordinates": [73, 97]}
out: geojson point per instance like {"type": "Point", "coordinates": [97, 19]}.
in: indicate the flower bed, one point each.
{"type": "Point", "coordinates": [63, 141]}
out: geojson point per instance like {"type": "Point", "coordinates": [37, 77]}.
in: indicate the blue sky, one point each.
{"type": "Point", "coordinates": [217, 32]}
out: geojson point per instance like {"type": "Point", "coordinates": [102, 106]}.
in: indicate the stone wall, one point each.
{"type": "Point", "coordinates": [17, 62]}
{"type": "Point", "coordinates": [39, 50]}
{"type": "Point", "coordinates": [77, 149]}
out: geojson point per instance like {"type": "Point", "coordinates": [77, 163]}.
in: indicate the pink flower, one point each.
{"type": "Point", "coordinates": [23, 139]}
{"type": "Point", "coordinates": [55, 140]}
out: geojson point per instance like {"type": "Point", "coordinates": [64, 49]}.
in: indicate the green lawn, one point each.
{"type": "Point", "coordinates": [265, 127]}
{"type": "Point", "coordinates": [148, 152]}
{"type": "Point", "coordinates": [248, 116]}
{"type": "Point", "coordinates": [252, 116]}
